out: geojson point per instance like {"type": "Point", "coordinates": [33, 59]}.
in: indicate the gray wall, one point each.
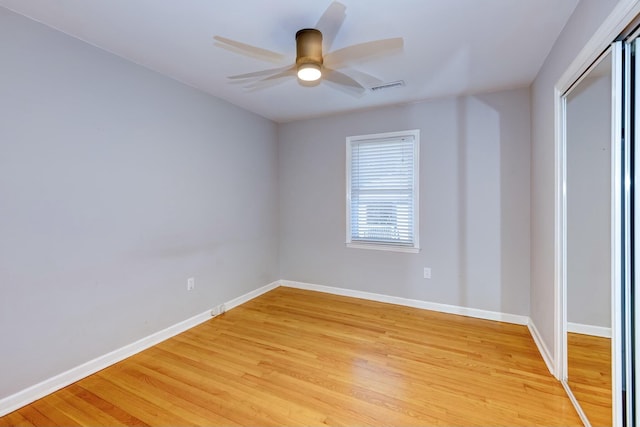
{"type": "Point", "coordinates": [474, 203]}
{"type": "Point", "coordinates": [116, 185]}
{"type": "Point", "coordinates": [588, 157]}
{"type": "Point", "coordinates": [586, 19]}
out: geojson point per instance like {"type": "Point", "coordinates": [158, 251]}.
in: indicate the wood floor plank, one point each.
{"type": "Point", "coordinates": [78, 410]}
{"type": "Point", "coordinates": [15, 419]}
{"type": "Point", "coordinates": [245, 398]}
{"type": "Point", "coordinates": [589, 361]}
{"type": "Point", "coordinates": [32, 416]}
{"type": "Point", "coordinates": [97, 408]}
{"type": "Point", "coordinates": [47, 407]}
{"type": "Point", "coordinates": [294, 357]}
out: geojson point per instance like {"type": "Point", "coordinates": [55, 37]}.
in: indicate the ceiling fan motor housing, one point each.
{"type": "Point", "coordinates": [309, 47]}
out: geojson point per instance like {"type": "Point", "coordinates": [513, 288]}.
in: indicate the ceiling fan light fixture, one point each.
{"type": "Point", "coordinates": [309, 54]}
{"type": "Point", "coordinates": [309, 72]}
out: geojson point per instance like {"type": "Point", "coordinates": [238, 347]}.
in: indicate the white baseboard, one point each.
{"type": "Point", "coordinates": [542, 348]}
{"type": "Point", "coordinates": [251, 295]}
{"type": "Point", "coordinates": [444, 308]}
{"type": "Point", "coordinates": [597, 331]}
{"type": "Point", "coordinates": [37, 391]}
{"type": "Point", "coordinates": [576, 404]}
{"type": "Point", "coordinates": [426, 305]}
{"type": "Point", "coordinates": [30, 394]}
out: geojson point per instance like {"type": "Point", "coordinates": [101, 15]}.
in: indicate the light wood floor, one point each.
{"type": "Point", "coordinates": [589, 360]}
{"type": "Point", "coordinates": [293, 357]}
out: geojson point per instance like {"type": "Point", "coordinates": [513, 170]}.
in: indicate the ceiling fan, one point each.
{"type": "Point", "coordinates": [311, 65]}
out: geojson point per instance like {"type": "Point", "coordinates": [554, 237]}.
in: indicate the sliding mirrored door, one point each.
{"type": "Point", "coordinates": [588, 218]}
{"type": "Point", "coordinates": [599, 196]}
{"type": "Point", "coordinates": [581, 246]}
{"type": "Point", "coordinates": [631, 320]}
{"type": "Point", "coordinates": [626, 104]}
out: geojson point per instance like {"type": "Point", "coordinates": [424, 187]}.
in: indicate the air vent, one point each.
{"type": "Point", "coordinates": [388, 85]}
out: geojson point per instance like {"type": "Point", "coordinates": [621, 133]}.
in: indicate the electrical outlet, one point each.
{"type": "Point", "coordinates": [191, 283]}
{"type": "Point", "coordinates": [427, 273]}
{"type": "Point", "coordinates": [217, 310]}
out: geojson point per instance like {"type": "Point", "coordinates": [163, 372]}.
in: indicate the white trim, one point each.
{"type": "Point", "coordinates": [426, 305]}
{"type": "Point", "coordinates": [623, 13]}
{"type": "Point", "coordinates": [251, 295]}
{"type": "Point", "coordinates": [617, 121]}
{"type": "Point", "coordinates": [30, 394]}
{"type": "Point", "coordinates": [415, 247]}
{"type": "Point", "coordinates": [576, 404]}
{"type": "Point", "coordinates": [48, 386]}
{"type": "Point", "coordinates": [635, 327]}
{"type": "Point", "coordinates": [560, 337]}
{"type": "Point", "coordinates": [560, 316]}
{"type": "Point", "coordinates": [542, 348]}
{"type": "Point", "coordinates": [433, 306]}
{"type": "Point", "coordinates": [390, 248]}
{"type": "Point", "coordinates": [443, 308]}
{"type": "Point", "coordinates": [596, 331]}
{"type": "Point", "coordinates": [620, 210]}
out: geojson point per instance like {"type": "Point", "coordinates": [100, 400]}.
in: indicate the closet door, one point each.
{"type": "Point", "coordinates": [626, 210]}
{"type": "Point", "coordinates": [626, 230]}
{"type": "Point", "coordinates": [620, 226]}
{"type": "Point", "coordinates": [632, 300]}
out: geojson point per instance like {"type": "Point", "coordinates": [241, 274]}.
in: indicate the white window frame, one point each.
{"type": "Point", "coordinates": [415, 133]}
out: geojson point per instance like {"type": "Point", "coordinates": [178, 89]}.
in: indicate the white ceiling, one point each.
{"type": "Point", "coordinates": [451, 47]}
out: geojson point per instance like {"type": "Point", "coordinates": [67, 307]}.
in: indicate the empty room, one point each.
{"type": "Point", "coordinates": [316, 212]}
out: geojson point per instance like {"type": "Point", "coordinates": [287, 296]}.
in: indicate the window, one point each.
{"type": "Point", "coordinates": [382, 191]}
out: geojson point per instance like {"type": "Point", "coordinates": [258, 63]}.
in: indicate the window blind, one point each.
{"type": "Point", "coordinates": [382, 173]}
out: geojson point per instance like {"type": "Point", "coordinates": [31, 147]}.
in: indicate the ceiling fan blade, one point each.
{"type": "Point", "coordinates": [290, 71]}
{"type": "Point", "coordinates": [271, 80]}
{"type": "Point", "coordinates": [343, 80]}
{"type": "Point", "coordinates": [261, 73]}
{"type": "Point", "coordinates": [330, 22]}
{"type": "Point", "coordinates": [345, 89]}
{"type": "Point", "coordinates": [365, 79]}
{"type": "Point", "coordinates": [248, 50]}
{"type": "Point", "coordinates": [359, 52]}
{"type": "Point", "coordinates": [263, 84]}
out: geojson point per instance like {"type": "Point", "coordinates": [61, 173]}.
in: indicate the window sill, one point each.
{"type": "Point", "coordinates": [389, 248]}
